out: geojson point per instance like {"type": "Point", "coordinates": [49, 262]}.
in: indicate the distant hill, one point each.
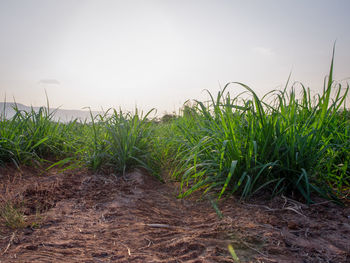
{"type": "Point", "coordinates": [59, 115]}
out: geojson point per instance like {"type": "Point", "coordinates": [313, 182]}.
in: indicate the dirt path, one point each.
{"type": "Point", "coordinates": [94, 218]}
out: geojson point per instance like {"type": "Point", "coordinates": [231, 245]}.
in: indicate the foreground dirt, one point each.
{"type": "Point", "coordinates": [84, 217]}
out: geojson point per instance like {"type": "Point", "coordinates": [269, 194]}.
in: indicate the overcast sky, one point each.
{"type": "Point", "coordinates": [159, 53]}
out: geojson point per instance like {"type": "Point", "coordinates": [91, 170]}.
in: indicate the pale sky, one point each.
{"type": "Point", "coordinates": [160, 53]}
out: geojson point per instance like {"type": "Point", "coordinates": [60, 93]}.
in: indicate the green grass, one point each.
{"type": "Point", "coordinates": [278, 143]}
{"type": "Point", "coordinates": [120, 141]}
{"type": "Point", "coordinates": [287, 141]}
{"type": "Point", "coordinates": [33, 137]}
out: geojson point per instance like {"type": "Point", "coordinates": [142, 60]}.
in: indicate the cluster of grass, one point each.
{"type": "Point", "coordinates": [33, 136]}
{"type": "Point", "coordinates": [119, 141]}
{"type": "Point", "coordinates": [278, 142]}
{"type": "Point", "coordinates": [284, 142]}
{"type": "Point", "coordinates": [11, 216]}
{"type": "Point", "coordinates": [289, 145]}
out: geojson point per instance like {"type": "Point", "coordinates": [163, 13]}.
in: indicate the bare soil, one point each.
{"type": "Point", "coordinates": [83, 217]}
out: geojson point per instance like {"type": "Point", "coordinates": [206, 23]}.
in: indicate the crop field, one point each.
{"type": "Point", "coordinates": [282, 158]}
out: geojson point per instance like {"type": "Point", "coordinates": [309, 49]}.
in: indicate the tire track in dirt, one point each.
{"type": "Point", "coordinates": [115, 219]}
{"type": "Point", "coordinates": [84, 217]}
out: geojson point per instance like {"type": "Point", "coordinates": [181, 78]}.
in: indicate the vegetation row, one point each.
{"type": "Point", "coordinates": [286, 142]}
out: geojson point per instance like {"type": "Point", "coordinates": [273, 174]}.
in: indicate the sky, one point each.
{"type": "Point", "coordinates": [160, 53]}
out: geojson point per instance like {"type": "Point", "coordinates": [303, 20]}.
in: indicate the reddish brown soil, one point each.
{"type": "Point", "coordinates": [84, 217]}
